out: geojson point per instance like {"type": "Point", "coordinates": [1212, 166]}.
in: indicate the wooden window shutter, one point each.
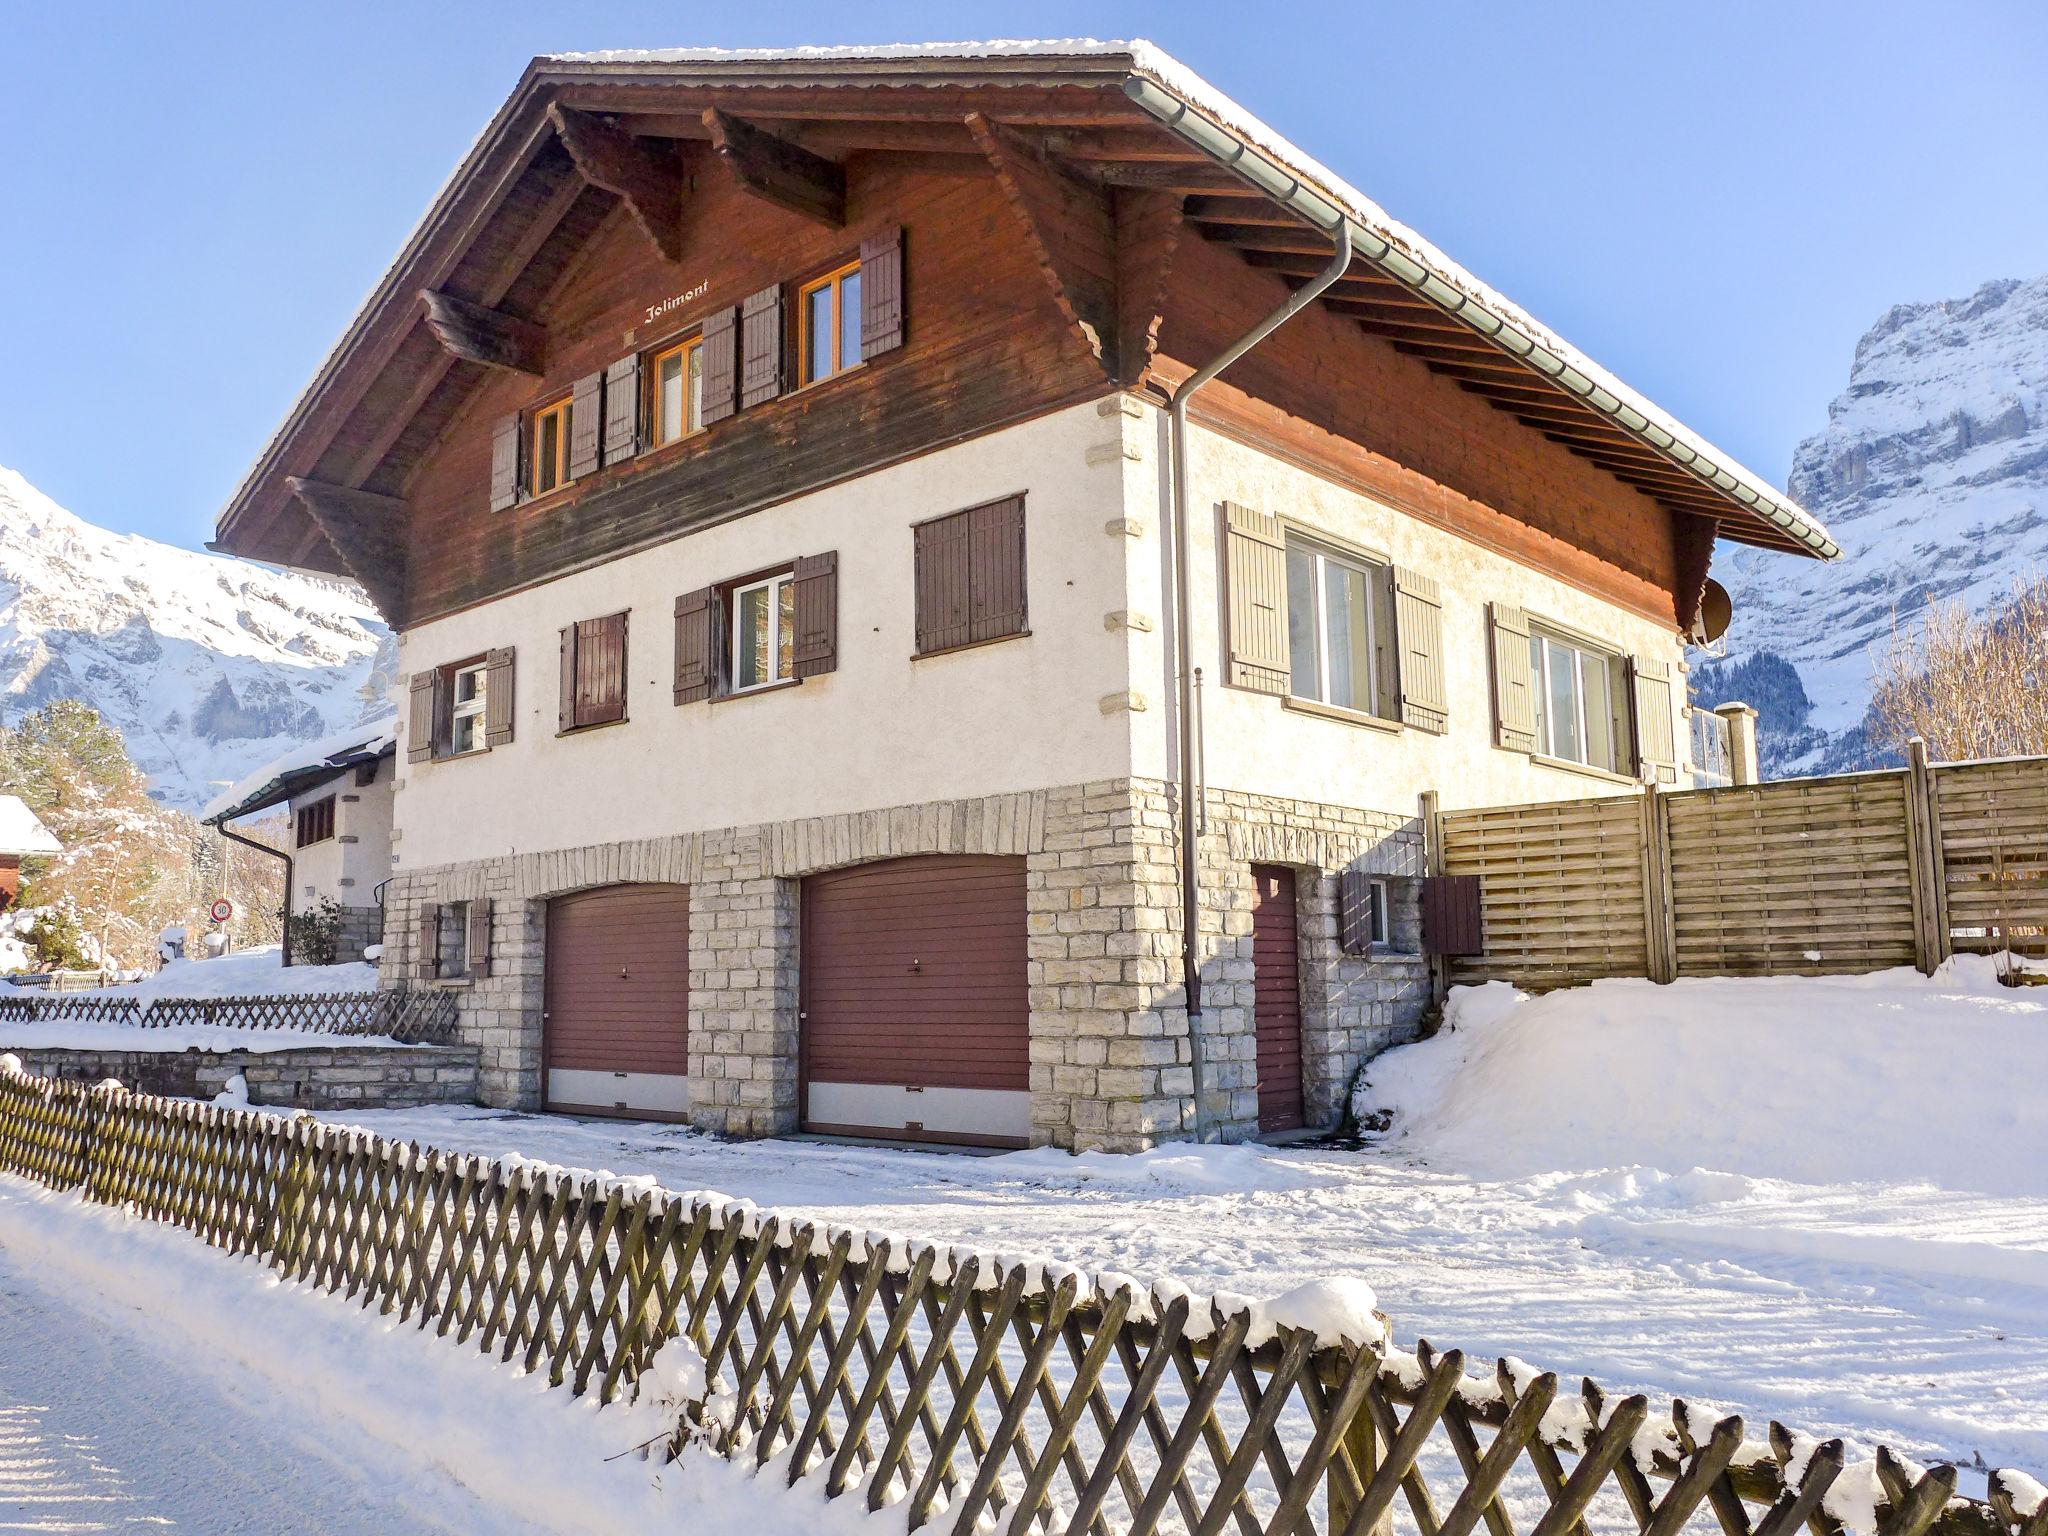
{"type": "Point", "coordinates": [697, 633]}
{"type": "Point", "coordinates": [419, 727]}
{"type": "Point", "coordinates": [1419, 645]}
{"type": "Point", "coordinates": [1514, 685]}
{"type": "Point", "coordinates": [995, 570]}
{"type": "Point", "coordinates": [817, 614]}
{"type": "Point", "coordinates": [1656, 735]}
{"type": "Point", "coordinates": [1452, 916]}
{"type": "Point", "coordinates": [941, 583]}
{"type": "Point", "coordinates": [1255, 570]}
{"type": "Point", "coordinates": [1354, 912]}
{"type": "Point", "coordinates": [427, 942]}
{"type": "Point", "coordinates": [761, 346]}
{"type": "Point", "coordinates": [479, 937]}
{"type": "Point", "coordinates": [622, 410]}
{"type": "Point", "coordinates": [586, 425]}
{"type": "Point", "coordinates": [506, 479]}
{"type": "Point", "coordinates": [881, 293]}
{"type": "Point", "coordinates": [498, 697]}
{"type": "Point", "coordinates": [567, 715]}
{"type": "Point", "coordinates": [601, 670]}
{"type": "Point", "coordinates": [721, 364]}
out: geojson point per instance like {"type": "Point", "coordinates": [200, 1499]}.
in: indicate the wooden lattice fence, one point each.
{"type": "Point", "coordinates": [417, 1017]}
{"type": "Point", "coordinates": [971, 1392]}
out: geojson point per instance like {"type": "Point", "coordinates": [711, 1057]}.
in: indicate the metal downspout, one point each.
{"type": "Point", "coordinates": [1177, 414]}
{"type": "Point", "coordinates": [276, 853]}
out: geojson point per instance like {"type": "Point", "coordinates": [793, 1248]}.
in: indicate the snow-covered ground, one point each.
{"type": "Point", "coordinates": [246, 973]}
{"type": "Point", "coordinates": [1893, 1288]}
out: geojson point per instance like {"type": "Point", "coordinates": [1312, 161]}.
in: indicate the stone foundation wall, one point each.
{"type": "Point", "coordinates": [358, 930]}
{"type": "Point", "coordinates": [1111, 1066]}
{"type": "Point", "coordinates": [324, 1077]}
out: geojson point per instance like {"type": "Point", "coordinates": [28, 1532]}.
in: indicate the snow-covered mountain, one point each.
{"type": "Point", "coordinates": [1932, 473]}
{"type": "Point", "coordinates": [207, 665]}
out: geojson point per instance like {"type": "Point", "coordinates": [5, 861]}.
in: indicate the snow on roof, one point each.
{"type": "Point", "coordinates": [307, 764]}
{"type": "Point", "coordinates": [20, 832]}
{"type": "Point", "coordinates": [1171, 75]}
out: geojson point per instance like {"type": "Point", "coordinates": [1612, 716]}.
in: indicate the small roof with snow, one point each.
{"type": "Point", "coordinates": [21, 834]}
{"type": "Point", "coordinates": [305, 767]}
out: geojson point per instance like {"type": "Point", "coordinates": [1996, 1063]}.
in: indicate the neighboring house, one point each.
{"type": "Point", "coordinates": [22, 836]}
{"type": "Point", "coordinates": [337, 795]}
{"type": "Point", "coordinates": [766, 460]}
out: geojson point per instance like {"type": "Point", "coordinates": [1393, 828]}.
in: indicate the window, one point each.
{"type": "Point", "coordinates": [315, 822]}
{"type": "Point", "coordinates": [829, 315]}
{"type": "Point", "coordinates": [551, 447]}
{"type": "Point", "coordinates": [1376, 911]}
{"type": "Point", "coordinates": [594, 672]}
{"type": "Point", "coordinates": [763, 632]}
{"type": "Point", "coordinates": [1330, 628]}
{"type": "Point", "coordinates": [468, 695]}
{"type": "Point", "coordinates": [969, 580]}
{"type": "Point", "coordinates": [678, 374]}
{"type": "Point", "coordinates": [1580, 701]}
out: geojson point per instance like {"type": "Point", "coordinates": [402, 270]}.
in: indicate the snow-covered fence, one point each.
{"type": "Point", "coordinates": [419, 1017]}
{"type": "Point", "coordinates": [1824, 876]}
{"type": "Point", "coordinates": [968, 1391]}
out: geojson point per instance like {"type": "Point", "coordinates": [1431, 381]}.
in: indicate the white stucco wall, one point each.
{"type": "Point", "coordinates": [348, 866]}
{"type": "Point", "coordinates": [1255, 743]}
{"type": "Point", "coordinates": [882, 730]}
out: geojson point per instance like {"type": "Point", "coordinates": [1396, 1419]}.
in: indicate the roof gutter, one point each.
{"type": "Point", "coordinates": [1291, 192]}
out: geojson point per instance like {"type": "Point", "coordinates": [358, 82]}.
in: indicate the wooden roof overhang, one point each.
{"type": "Point", "coordinates": [578, 136]}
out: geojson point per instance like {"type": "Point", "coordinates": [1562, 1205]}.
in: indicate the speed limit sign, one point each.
{"type": "Point", "coordinates": [221, 910]}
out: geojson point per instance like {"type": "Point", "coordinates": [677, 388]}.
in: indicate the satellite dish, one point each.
{"type": "Point", "coordinates": [1715, 612]}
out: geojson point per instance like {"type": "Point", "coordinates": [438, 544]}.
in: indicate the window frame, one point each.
{"type": "Point", "coordinates": [325, 815]}
{"type": "Point", "coordinates": [476, 708]}
{"type": "Point", "coordinates": [777, 581]}
{"type": "Point", "coordinates": [1619, 713]}
{"type": "Point", "coordinates": [1374, 570]}
{"type": "Point", "coordinates": [689, 347]}
{"type": "Point", "coordinates": [1380, 922]}
{"type": "Point", "coordinates": [558, 410]}
{"type": "Point", "coordinates": [836, 281]}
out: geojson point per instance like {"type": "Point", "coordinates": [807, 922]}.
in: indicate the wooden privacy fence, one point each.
{"type": "Point", "coordinates": [1822, 876]}
{"type": "Point", "coordinates": [416, 1017]}
{"type": "Point", "coordinates": [971, 1392]}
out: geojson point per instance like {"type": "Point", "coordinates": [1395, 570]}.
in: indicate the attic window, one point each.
{"type": "Point", "coordinates": [314, 823]}
{"type": "Point", "coordinates": [829, 311]}
{"type": "Point", "coordinates": [551, 446]}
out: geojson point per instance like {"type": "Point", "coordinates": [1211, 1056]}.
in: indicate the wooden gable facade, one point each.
{"type": "Point", "coordinates": [1053, 242]}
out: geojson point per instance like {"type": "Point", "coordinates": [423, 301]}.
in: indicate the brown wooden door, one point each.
{"type": "Point", "coordinates": [615, 1032]}
{"type": "Point", "coordinates": [915, 1018]}
{"type": "Point", "coordinates": [1276, 997]}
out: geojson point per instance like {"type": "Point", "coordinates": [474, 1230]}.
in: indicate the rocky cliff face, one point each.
{"type": "Point", "coordinates": [208, 666]}
{"type": "Point", "coordinates": [1933, 474]}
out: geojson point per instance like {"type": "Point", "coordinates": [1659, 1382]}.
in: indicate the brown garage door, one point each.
{"type": "Point", "coordinates": [1276, 998]}
{"type": "Point", "coordinates": [915, 1021]}
{"type": "Point", "coordinates": [616, 1034]}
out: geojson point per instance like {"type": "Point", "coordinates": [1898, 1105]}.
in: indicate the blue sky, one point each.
{"type": "Point", "coordinates": [1715, 199]}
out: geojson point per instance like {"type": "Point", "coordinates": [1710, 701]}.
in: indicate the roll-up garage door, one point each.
{"type": "Point", "coordinates": [915, 1019]}
{"type": "Point", "coordinates": [616, 1037]}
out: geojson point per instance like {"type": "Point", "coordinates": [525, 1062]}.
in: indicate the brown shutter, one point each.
{"type": "Point", "coordinates": [427, 942]}
{"type": "Point", "coordinates": [498, 697]}
{"type": "Point", "coordinates": [696, 648]}
{"type": "Point", "coordinates": [881, 293]}
{"type": "Point", "coordinates": [567, 716]}
{"type": "Point", "coordinates": [1419, 644]}
{"type": "Point", "coordinates": [1514, 685]}
{"type": "Point", "coordinates": [817, 614]}
{"type": "Point", "coordinates": [479, 936]}
{"type": "Point", "coordinates": [761, 346]}
{"type": "Point", "coordinates": [1451, 919]}
{"type": "Point", "coordinates": [594, 659]}
{"type": "Point", "coordinates": [505, 476]}
{"type": "Point", "coordinates": [1255, 569]}
{"type": "Point", "coordinates": [995, 570]}
{"type": "Point", "coordinates": [1656, 735]}
{"type": "Point", "coordinates": [942, 584]}
{"type": "Point", "coordinates": [1354, 912]}
{"type": "Point", "coordinates": [721, 364]}
{"type": "Point", "coordinates": [419, 728]}
{"type": "Point", "coordinates": [622, 410]}
{"type": "Point", "coordinates": [586, 425]}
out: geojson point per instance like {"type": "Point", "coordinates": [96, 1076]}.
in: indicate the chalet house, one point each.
{"type": "Point", "coordinates": [853, 635]}
{"type": "Point", "coordinates": [22, 836]}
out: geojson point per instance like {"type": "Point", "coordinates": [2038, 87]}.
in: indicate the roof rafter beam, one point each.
{"type": "Point", "coordinates": [479, 334]}
{"type": "Point", "coordinates": [650, 184]}
{"type": "Point", "coordinates": [777, 171]}
{"type": "Point", "coordinates": [366, 532]}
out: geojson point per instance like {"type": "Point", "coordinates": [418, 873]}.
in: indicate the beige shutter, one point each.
{"type": "Point", "coordinates": [1656, 734]}
{"type": "Point", "coordinates": [427, 941]}
{"type": "Point", "coordinates": [1514, 686]}
{"type": "Point", "coordinates": [419, 724]}
{"type": "Point", "coordinates": [622, 409]}
{"type": "Point", "coordinates": [721, 378]}
{"type": "Point", "coordinates": [1255, 572]}
{"type": "Point", "coordinates": [498, 697]}
{"type": "Point", "coordinates": [479, 937]}
{"type": "Point", "coordinates": [506, 479]}
{"type": "Point", "coordinates": [586, 425]}
{"type": "Point", "coordinates": [761, 347]}
{"type": "Point", "coordinates": [1419, 637]}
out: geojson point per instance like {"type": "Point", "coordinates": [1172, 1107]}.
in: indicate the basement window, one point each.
{"type": "Point", "coordinates": [678, 374]}
{"type": "Point", "coordinates": [828, 312]}
{"type": "Point", "coordinates": [1581, 699]}
{"type": "Point", "coordinates": [763, 632]}
{"type": "Point", "coordinates": [551, 446]}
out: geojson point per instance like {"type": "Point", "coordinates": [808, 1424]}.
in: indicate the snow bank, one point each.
{"type": "Point", "coordinates": [1891, 1077]}
{"type": "Point", "coordinates": [247, 973]}
{"type": "Point", "coordinates": [1178, 1168]}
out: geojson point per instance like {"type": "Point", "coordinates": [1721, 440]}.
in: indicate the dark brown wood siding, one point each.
{"type": "Point", "coordinates": [1276, 997]}
{"type": "Point", "coordinates": [914, 974]}
{"type": "Point", "coordinates": [617, 988]}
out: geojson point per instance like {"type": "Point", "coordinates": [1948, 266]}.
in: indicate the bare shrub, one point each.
{"type": "Point", "coordinates": [1972, 685]}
